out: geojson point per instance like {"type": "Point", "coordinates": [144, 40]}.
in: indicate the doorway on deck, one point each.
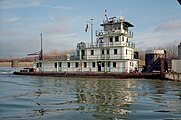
{"type": "Point", "coordinates": [99, 66]}
{"type": "Point", "coordinates": [108, 69]}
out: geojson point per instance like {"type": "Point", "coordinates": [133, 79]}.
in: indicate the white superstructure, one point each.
{"type": "Point", "coordinates": [111, 52]}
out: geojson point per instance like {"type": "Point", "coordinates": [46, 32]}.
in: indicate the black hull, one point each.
{"type": "Point", "coordinates": [93, 74]}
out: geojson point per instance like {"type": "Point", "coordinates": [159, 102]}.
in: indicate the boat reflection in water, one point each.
{"type": "Point", "coordinates": [102, 99]}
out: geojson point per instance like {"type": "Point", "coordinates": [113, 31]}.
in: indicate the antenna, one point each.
{"type": "Point", "coordinates": [106, 18]}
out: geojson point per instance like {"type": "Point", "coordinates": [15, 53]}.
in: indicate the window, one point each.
{"type": "Point", "coordinates": [93, 64]}
{"type": "Point", "coordinates": [114, 64]}
{"type": "Point", "coordinates": [60, 64]}
{"type": "Point", "coordinates": [115, 51]}
{"type": "Point", "coordinates": [55, 65]}
{"type": "Point", "coordinates": [76, 64]}
{"type": "Point", "coordinates": [103, 64]}
{"type": "Point", "coordinates": [108, 52]}
{"type": "Point", "coordinates": [108, 64]}
{"type": "Point", "coordinates": [37, 65]}
{"type": "Point", "coordinates": [92, 52]}
{"type": "Point", "coordinates": [111, 39]}
{"type": "Point", "coordinates": [126, 51]}
{"type": "Point", "coordinates": [117, 39]}
{"type": "Point", "coordinates": [123, 38]}
{"type": "Point", "coordinates": [68, 65]}
{"type": "Point", "coordinates": [102, 52]}
{"type": "Point", "coordinates": [85, 64]}
{"type": "Point", "coordinates": [40, 64]}
{"type": "Point", "coordinates": [119, 28]}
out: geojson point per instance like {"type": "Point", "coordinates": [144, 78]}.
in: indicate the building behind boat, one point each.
{"type": "Point", "coordinates": [112, 51]}
{"type": "Point", "coordinates": [176, 63]}
{"type": "Point", "coordinates": [175, 73]}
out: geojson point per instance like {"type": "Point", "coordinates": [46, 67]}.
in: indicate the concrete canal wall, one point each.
{"type": "Point", "coordinates": [173, 76]}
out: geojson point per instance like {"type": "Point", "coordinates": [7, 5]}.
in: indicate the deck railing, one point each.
{"type": "Point", "coordinates": [110, 44]}
{"type": "Point", "coordinates": [128, 33]}
{"type": "Point", "coordinates": [108, 57]}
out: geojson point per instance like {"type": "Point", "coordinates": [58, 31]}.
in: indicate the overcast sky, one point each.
{"type": "Point", "coordinates": [62, 22]}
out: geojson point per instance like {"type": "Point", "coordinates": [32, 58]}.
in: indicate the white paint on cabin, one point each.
{"type": "Point", "coordinates": [112, 52]}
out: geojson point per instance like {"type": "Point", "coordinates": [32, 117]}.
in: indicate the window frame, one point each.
{"type": "Point", "coordinates": [93, 64]}
{"type": "Point", "coordinates": [114, 65]}
{"type": "Point", "coordinates": [111, 39]}
{"type": "Point", "coordinates": [85, 64]}
{"type": "Point", "coordinates": [92, 52]}
{"type": "Point", "coordinates": [115, 51]}
{"type": "Point", "coordinates": [68, 65]}
{"type": "Point", "coordinates": [116, 38]}
{"type": "Point", "coordinates": [76, 64]}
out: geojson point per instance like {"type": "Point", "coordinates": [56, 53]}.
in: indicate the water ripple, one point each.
{"type": "Point", "coordinates": [26, 97]}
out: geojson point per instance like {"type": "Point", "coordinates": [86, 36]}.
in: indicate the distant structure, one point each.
{"type": "Point", "coordinates": [179, 51]}
{"type": "Point", "coordinates": [14, 63]}
{"type": "Point", "coordinates": [155, 60]}
{"type": "Point", "coordinates": [176, 63]}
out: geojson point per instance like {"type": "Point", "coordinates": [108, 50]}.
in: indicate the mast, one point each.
{"type": "Point", "coordinates": [91, 32]}
{"type": "Point", "coordinates": [105, 14]}
{"type": "Point", "coordinates": [41, 51]}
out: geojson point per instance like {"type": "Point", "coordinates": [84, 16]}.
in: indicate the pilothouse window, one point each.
{"type": "Point", "coordinates": [117, 39]}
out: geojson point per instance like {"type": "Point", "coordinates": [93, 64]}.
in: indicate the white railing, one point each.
{"type": "Point", "coordinates": [128, 33]}
{"type": "Point", "coordinates": [110, 44]}
{"type": "Point", "coordinates": [108, 57]}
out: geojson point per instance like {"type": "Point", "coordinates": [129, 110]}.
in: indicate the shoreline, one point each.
{"type": "Point", "coordinates": [19, 64]}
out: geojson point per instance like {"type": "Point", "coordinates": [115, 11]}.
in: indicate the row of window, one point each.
{"type": "Point", "coordinates": [116, 27]}
{"type": "Point", "coordinates": [84, 64]}
{"type": "Point", "coordinates": [108, 64]}
{"type": "Point", "coordinates": [39, 65]}
{"type": "Point", "coordinates": [107, 51]}
{"type": "Point", "coordinates": [117, 39]}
